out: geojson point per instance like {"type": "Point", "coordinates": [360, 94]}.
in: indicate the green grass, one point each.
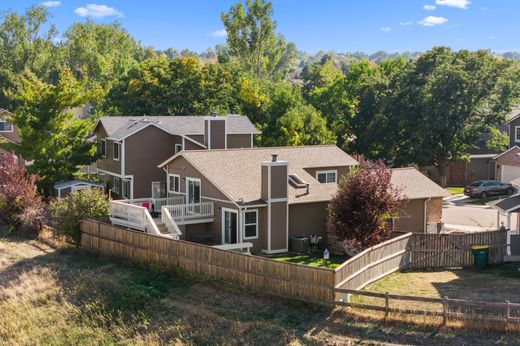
{"type": "Point", "coordinates": [55, 296]}
{"type": "Point", "coordinates": [313, 260]}
{"type": "Point", "coordinates": [455, 190]}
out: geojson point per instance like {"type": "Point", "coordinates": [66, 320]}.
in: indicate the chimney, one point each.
{"type": "Point", "coordinates": [215, 132]}
{"type": "Point", "coordinates": [274, 187]}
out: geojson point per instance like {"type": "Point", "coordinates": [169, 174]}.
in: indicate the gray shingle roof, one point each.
{"type": "Point", "coordinates": [511, 203]}
{"type": "Point", "coordinates": [415, 185]}
{"type": "Point", "coordinates": [119, 127]}
{"type": "Point", "coordinates": [237, 172]}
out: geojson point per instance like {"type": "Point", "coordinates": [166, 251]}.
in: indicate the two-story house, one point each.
{"type": "Point", "coordinates": [264, 196]}
{"type": "Point", "coordinates": [132, 147]}
{"type": "Point", "coordinates": [508, 162]}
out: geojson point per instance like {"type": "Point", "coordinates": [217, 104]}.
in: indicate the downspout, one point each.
{"type": "Point", "coordinates": [425, 230]}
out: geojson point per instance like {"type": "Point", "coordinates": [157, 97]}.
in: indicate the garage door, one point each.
{"type": "Point", "coordinates": [509, 173]}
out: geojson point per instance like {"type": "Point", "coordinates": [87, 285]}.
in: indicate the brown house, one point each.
{"type": "Point", "coordinates": [8, 131]}
{"type": "Point", "coordinates": [264, 196]}
{"type": "Point", "coordinates": [132, 147]}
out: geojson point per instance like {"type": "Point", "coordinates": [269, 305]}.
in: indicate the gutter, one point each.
{"type": "Point", "coordinates": [425, 214]}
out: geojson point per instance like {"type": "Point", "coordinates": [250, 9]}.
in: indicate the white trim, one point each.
{"type": "Point", "coordinates": [129, 193]}
{"type": "Point", "coordinates": [168, 182]}
{"type": "Point", "coordinates": [122, 154]}
{"type": "Point", "coordinates": [114, 151]}
{"type": "Point", "coordinates": [278, 200]}
{"type": "Point", "coordinates": [223, 220]}
{"type": "Point", "coordinates": [250, 224]}
{"type": "Point", "coordinates": [516, 134]}
{"type": "Point", "coordinates": [104, 141]}
{"type": "Point", "coordinates": [335, 171]}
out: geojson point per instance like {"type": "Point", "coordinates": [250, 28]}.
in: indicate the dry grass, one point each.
{"type": "Point", "coordinates": [62, 297]}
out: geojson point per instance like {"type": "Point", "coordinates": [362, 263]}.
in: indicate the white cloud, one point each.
{"type": "Point", "coordinates": [432, 21]}
{"type": "Point", "coordinates": [385, 28]}
{"type": "Point", "coordinates": [97, 11]}
{"type": "Point", "coordinates": [429, 7]}
{"type": "Point", "coordinates": [453, 3]}
{"type": "Point", "coordinates": [51, 3]}
{"type": "Point", "coordinates": [406, 23]}
{"type": "Point", "coordinates": [219, 33]}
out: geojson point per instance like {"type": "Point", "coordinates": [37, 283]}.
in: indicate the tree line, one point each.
{"type": "Point", "coordinates": [422, 109]}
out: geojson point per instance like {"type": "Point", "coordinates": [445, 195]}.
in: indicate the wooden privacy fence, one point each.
{"type": "Point", "coordinates": [446, 308]}
{"type": "Point", "coordinates": [454, 250]}
{"type": "Point", "coordinates": [374, 263]}
{"type": "Point", "coordinates": [258, 273]}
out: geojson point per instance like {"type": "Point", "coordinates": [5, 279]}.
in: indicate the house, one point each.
{"type": "Point", "coordinates": [8, 131]}
{"type": "Point", "coordinates": [64, 188]}
{"type": "Point", "coordinates": [508, 162]}
{"type": "Point", "coordinates": [132, 147]}
{"type": "Point", "coordinates": [263, 196]}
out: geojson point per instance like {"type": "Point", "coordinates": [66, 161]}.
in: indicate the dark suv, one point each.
{"type": "Point", "coordinates": [486, 188]}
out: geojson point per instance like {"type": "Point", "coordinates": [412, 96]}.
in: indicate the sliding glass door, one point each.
{"type": "Point", "coordinates": [229, 226]}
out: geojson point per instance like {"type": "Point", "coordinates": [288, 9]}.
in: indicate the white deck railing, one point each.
{"type": "Point", "coordinates": [155, 203]}
{"type": "Point", "coordinates": [191, 213]}
{"type": "Point", "coordinates": [168, 221]}
{"type": "Point", "coordinates": [137, 217]}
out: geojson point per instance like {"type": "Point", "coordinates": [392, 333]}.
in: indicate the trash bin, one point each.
{"type": "Point", "coordinates": [480, 254]}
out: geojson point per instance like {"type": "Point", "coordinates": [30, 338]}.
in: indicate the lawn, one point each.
{"type": "Point", "coordinates": [62, 297]}
{"type": "Point", "coordinates": [455, 190]}
{"type": "Point", "coordinates": [313, 260]}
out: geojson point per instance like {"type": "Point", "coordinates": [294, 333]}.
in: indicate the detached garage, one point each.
{"type": "Point", "coordinates": [508, 165]}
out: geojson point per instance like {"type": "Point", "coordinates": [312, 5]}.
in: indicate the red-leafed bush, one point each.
{"type": "Point", "coordinates": [361, 212]}
{"type": "Point", "coordinates": [21, 207]}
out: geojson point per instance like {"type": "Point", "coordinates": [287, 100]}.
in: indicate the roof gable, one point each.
{"type": "Point", "coordinates": [415, 185]}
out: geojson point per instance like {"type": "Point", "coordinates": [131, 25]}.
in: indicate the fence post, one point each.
{"type": "Point", "coordinates": [444, 310]}
{"type": "Point", "coordinates": [508, 310]}
{"type": "Point", "coordinates": [387, 305]}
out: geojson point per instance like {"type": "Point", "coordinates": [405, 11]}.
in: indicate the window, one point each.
{"type": "Point", "coordinates": [517, 133]}
{"type": "Point", "coordinates": [251, 224]}
{"type": "Point", "coordinates": [6, 126]}
{"type": "Point", "coordinates": [326, 177]}
{"type": "Point", "coordinates": [178, 148]}
{"type": "Point", "coordinates": [174, 183]}
{"type": "Point", "coordinates": [126, 188]}
{"type": "Point", "coordinates": [103, 148]}
{"type": "Point", "coordinates": [116, 151]}
{"type": "Point", "coordinates": [117, 185]}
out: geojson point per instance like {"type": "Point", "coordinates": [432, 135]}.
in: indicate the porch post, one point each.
{"type": "Point", "coordinates": [508, 234]}
{"type": "Point", "coordinates": [498, 219]}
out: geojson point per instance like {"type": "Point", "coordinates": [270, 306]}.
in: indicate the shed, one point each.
{"type": "Point", "coordinates": [64, 188]}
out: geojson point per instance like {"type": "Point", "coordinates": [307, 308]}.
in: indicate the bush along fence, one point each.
{"type": "Point", "coordinates": [322, 285]}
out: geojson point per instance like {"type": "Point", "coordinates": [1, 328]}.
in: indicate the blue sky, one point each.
{"type": "Point", "coordinates": [341, 25]}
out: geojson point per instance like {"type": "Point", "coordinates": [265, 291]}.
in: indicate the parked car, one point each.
{"type": "Point", "coordinates": [486, 188]}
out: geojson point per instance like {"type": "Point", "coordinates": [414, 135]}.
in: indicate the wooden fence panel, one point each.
{"type": "Point", "coordinates": [261, 274]}
{"type": "Point", "coordinates": [454, 250]}
{"type": "Point", "coordinates": [374, 263]}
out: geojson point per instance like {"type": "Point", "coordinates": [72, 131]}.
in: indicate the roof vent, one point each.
{"type": "Point", "coordinates": [298, 182]}
{"type": "Point", "coordinates": [274, 158]}
{"type": "Point", "coordinates": [214, 114]}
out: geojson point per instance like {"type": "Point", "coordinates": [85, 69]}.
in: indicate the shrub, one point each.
{"type": "Point", "coordinates": [67, 212]}
{"type": "Point", "coordinates": [360, 213]}
{"type": "Point", "coordinates": [21, 207]}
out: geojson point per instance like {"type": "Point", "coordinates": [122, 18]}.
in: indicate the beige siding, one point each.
{"type": "Point", "coordinates": [107, 163]}
{"type": "Point", "coordinates": [342, 171]}
{"type": "Point", "coordinates": [239, 141]}
{"type": "Point", "coordinates": [307, 219]}
{"type": "Point", "coordinates": [143, 152]}
{"type": "Point", "coordinates": [278, 226]}
{"type": "Point", "coordinates": [412, 218]}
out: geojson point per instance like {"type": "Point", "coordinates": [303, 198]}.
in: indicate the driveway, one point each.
{"type": "Point", "coordinates": [457, 213]}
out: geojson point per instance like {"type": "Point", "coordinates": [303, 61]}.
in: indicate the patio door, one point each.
{"type": "Point", "coordinates": [192, 190]}
{"type": "Point", "coordinates": [229, 226]}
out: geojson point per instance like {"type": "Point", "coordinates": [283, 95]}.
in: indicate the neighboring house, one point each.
{"type": "Point", "coordinates": [8, 131]}
{"type": "Point", "coordinates": [65, 188]}
{"type": "Point", "coordinates": [132, 147]}
{"type": "Point", "coordinates": [264, 196]}
{"type": "Point", "coordinates": [508, 162]}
